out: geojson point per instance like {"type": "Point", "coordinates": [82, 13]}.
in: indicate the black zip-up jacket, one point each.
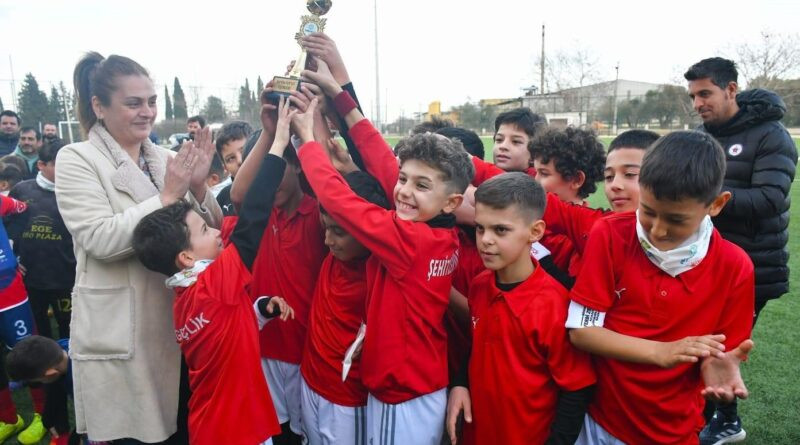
{"type": "Point", "coordinates": [761, 161]}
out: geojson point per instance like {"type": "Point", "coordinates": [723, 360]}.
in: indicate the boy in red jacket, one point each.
{"type": "Point", "coordinates": [215, 324]}
{"type": "Point", "coordinates": [665, 304]}
{"type": "Point", "coordinates": [409, 274]}
{"type": "Point", "coordinates": [518, 313]}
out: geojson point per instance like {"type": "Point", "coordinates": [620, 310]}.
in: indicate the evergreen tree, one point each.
{"type": "Point", "coordinates": [214, 110]}
{"type": "Point", "coordinates": [55, 108]}
{"type": "Point", "coordinates": [168, 102]}
{"type": "Point", "coordinates": [2, 108]}
{"type": "Point", "coordinates": [179, 101]}
{"type": "Point", "coordinates": [244, 101]}
{"type": "Point", "coordinates": [259, 87]}
{"type": "Point", "coordinates": [33, 106]}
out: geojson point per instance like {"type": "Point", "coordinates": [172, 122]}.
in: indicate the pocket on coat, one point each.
{"type": "Point", "coordinates": [102, 323]}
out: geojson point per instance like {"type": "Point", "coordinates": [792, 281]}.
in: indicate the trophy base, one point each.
{"type": "Point", "coordinates": [283, 87]}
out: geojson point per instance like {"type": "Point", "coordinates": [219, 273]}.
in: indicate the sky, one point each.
{"type": "Point", "coordinates": [447, 50]}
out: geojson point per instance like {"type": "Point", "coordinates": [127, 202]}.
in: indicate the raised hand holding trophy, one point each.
{"type": "Point", "coordinates": [284, 85]}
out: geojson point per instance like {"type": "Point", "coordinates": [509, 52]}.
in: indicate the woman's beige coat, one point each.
{"type": "Point", "coordinates": [125, 360]}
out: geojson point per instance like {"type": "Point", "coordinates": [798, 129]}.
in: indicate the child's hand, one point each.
{"type": "Point", "coordinates": [722, 376]}
{"type": "Point", "coordinates": [340, 158]}
{"type": "Point", "coordinates": [323, 77]}
{"type": "Point", "coordinates": [323, 47]}
{"type": "Point", "coordinates": [283, 308]}
{"type": "Point", "coordinates": [689, 350]}
{"type": "Point", "coordinates": [269, 112]}
{"type": "Point", "coordinates": [303, 123]}
{"type": "Point", "coordinates": [457, 402]}
{"type": "Point", "coordinates": [285, 115]}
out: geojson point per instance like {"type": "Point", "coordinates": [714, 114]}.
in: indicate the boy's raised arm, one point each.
{"type": "Point", "coordinates": [257, 206]}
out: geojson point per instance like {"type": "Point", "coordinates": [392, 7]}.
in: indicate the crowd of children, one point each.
{"type": "Point", "coordinates": [416, 294]}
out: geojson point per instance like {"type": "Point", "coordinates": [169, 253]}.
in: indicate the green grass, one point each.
{"type": "Point", "coordinates": [770, 415]}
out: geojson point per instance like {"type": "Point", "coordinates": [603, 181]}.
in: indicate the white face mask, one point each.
{"type": "Point", "coordinates": [187, 277]}
{"type": "Point", "coordinates": [682, 258]}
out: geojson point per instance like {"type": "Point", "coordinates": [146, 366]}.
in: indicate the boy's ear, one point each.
{"type": "Point", "coordinates": [184, 260]}
{"type": "Point", "coordinates": [50, 373]}
{"type": "Point", "coordinates": [537, 230]}
{"type": "Point", "coordinates": [578, 181]}
{"type": "Point", "coordinates": [40, 164]}
{"type": "Point", "coordinates": [453, 202]}
{"type": "Point", "coordinates": [719, 203]}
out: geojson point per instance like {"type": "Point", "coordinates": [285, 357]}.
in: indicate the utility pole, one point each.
{"type": "Point", "coordinates": [13, 86]}
{"type": "Point", "coordinates": [377, 74]}
{"type": "Point", "coordinates": [541, 66]}
{"type": "Point", "coordinates": [616, 91]}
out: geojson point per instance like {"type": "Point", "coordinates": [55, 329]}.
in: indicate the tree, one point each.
{"type": "Point", "coordinates": [245, 104]}
{"type": "Point", "coordinates": [568, 69]}
{"type": "Point", "coordinates": [2, 108]}
{"type": "Point", "coordinates": [168, 113]}
{"type": "Point", "coordinates": [33, 106]}
{"type": "Point", "coordinates": [469, 115]}
{"type": "Point", "coordinates": [179, 101]}
{"type": "Point", "coordinates": [55, 106]}
{"type": "Point", "coordinates": [259, 87]}
{"type": "Point", "coordinates": [667, 103]}
{"type": "Point", "coordinates": [214, 110]}
{"type": "Point", "coordinates": [776, 56]}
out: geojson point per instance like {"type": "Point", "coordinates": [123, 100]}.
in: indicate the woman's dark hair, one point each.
{"type": "Point", "coordinates": [96, 76]}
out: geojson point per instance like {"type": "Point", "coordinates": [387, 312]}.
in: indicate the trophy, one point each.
{"type": "Point", "coordinates": [284, 85]}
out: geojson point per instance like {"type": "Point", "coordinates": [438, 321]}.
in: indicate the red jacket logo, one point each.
{"type": "Point", "coordinates": [444, 267]}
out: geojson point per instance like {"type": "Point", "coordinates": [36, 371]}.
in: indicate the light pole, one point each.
{"type": "Point", "coordinates": [616, 91]}
{"type": "Point", "coordinates": [377, 74]}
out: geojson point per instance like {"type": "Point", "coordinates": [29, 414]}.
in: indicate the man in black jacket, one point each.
{"type": "Point", "coordinates": [761, 161]}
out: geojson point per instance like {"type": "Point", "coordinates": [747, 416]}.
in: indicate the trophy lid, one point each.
{"type": "Point", "coordinates": [319, 7]}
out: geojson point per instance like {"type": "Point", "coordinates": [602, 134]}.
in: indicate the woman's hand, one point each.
{"type": "Point", "coordinates": [205, 150]}
{"type": "Point", "coordinates": [179, 173]}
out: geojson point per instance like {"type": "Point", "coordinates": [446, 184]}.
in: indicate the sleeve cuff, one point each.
{"type": "Point", "coordinates": [580, 316]}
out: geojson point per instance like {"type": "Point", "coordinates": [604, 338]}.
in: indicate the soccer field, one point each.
{"type": "Point", "coordinates": [771, 415]}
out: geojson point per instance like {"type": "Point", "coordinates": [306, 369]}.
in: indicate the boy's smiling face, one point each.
{"type": "Point", "coordinates": [231, 155]}
{"type": "Point", "coordinates": [668, 224]}
{"type": "Point", "coordinates": [205, 243]}
{"type": "Point", "coordinates": [621, 178]}
{"type": "Point", "coordinates": [421, 194]}
{"type": "Point", "coordinates": [510, 151]}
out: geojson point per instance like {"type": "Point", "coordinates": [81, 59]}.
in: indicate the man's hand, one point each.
{"type": "Point", "coordinates": [457, 402]}
{"type": "Point", "coordinates": [689, 350]}
{"type": "Point", "coordinates": [324, 48]}
{"type": "Point", "coordinates": [722, 376]}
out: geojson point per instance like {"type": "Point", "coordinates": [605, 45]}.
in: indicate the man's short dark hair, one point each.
{"type": "Point", "coordinates": [720, 71]}
{"type": "Point", "coordinates": [636, 138]}
{"type": "Point", "coordinates": [468, 138]}
{"type": "Point", "coordinates": [161, 236]}
{"type": "Point", "coordinates": [12, 114]}
{"type": "Point", "coordinates": [367, 187]}
{"type": "Point", "coordinates": [513, 189]}
{"type": "Point", "coordinates": [684, 164]}
{"type": "Point", "coordinates": [522, 118]}
{"type": "Point", "coordinates": [232, 131]}
{"type": "Point", "coordinates": [199, 119]}
{"type": "Point", "coordinates": [572, 150]}
{"type": "Point", "coordinates": [432, 126]}
{"type": "Point", "coordinates": [49, 151]}
{"type": "Point", "coordinates": [445, 155]}
{"type": "Point", "coordinates": [32, 357]}
{"type": "Point", "coordinates": [31, 129]}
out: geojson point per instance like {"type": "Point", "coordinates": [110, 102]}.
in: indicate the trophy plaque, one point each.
{"type": "Point", "coordinates": [284, 85]}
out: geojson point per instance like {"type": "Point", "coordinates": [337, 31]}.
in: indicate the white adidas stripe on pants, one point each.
{"type": "Point", "coordinates": [419, 421]}
{"type": "Point", "coordinates": [326, 423]}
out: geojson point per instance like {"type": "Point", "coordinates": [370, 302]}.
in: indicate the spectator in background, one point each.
{"type": "Point", "coordinates": [28, 149]}
{"type": "Point", "coordinates": [218, 178]}
{"type": "Point", "coordinates": [50, 133]}
{"type": "Point", "coordinates": [193, 124]}
{"type": "Point", "coordinates": [44, 246]}
{"type": "Point", "coordinates": [9, 132]}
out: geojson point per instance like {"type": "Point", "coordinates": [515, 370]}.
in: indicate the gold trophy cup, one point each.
{"type": "Point", "coordinates": [284, 85]}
